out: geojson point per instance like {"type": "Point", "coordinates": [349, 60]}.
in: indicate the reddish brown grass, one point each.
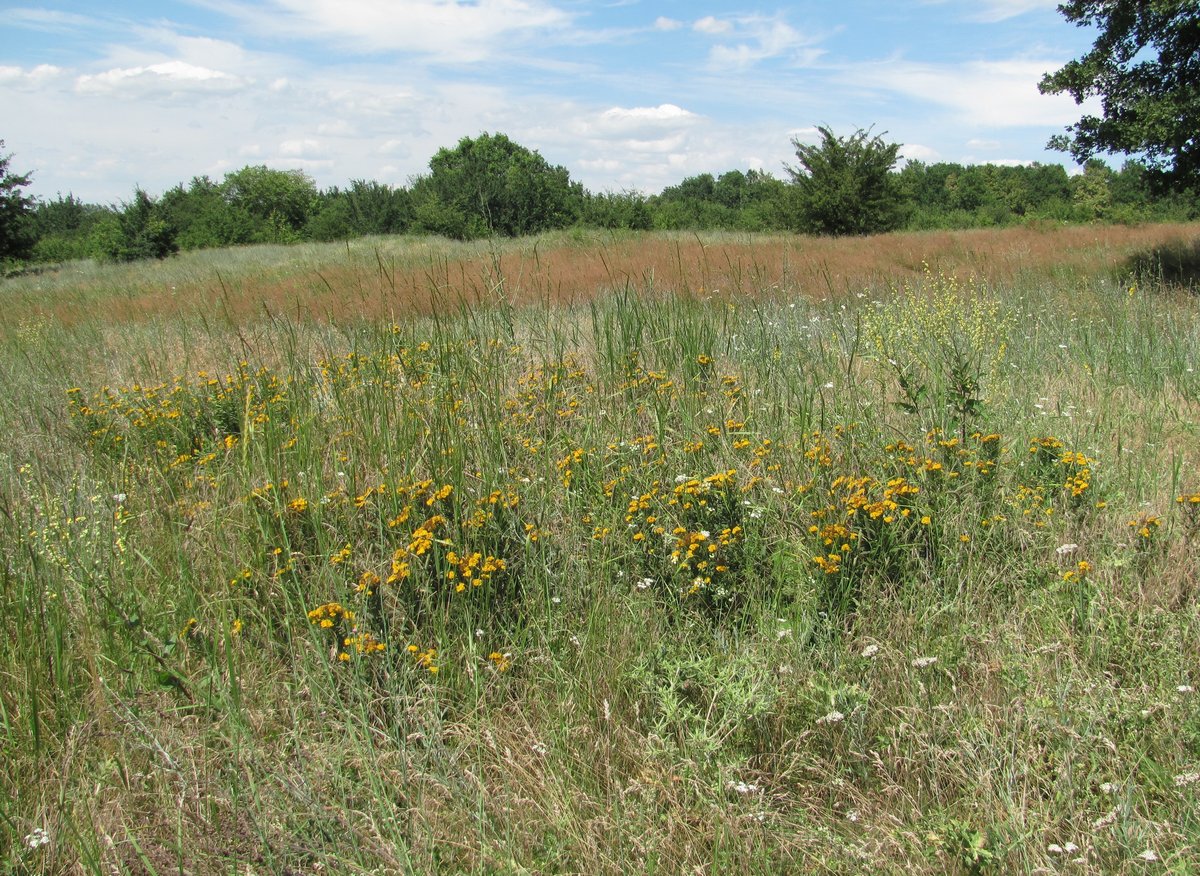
{"type": "Point", "coordinates": [565, 271]}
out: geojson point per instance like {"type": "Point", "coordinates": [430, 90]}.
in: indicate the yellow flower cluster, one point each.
{"type": "Point", "coordinates": [472, 569]}
{"type": "Point", "coordinates": [329, 615]}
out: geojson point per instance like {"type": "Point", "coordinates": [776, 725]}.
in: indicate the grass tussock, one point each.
{"type": "Point", "coordinates": [662, 555]}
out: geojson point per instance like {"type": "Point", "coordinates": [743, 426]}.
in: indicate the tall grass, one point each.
{"type": "Point", "coordinates": [697, 566]}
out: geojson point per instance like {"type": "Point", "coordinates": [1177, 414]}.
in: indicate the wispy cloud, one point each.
{"type": "Point", "coordinates": [995, 94]}
{"type": "Point", "coordinates": [438, 30]}
{"type": "Point", "coordinates": [755, 38]}
{"type": "Point", "coordinates": [712, 25]}
{"type": "Point", "coordinates": [51, 20]}
{"type": "Point", "coordinates": [995, 11]}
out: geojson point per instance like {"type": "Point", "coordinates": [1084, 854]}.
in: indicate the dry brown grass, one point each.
{"type": "Point", "coordinates": [402, 276]}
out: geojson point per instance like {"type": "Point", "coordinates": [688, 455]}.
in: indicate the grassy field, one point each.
{"type": "Point", "coordinates": [606, 554]}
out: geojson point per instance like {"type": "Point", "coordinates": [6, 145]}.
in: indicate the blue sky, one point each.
{"type": "Point", "coordinates": [99, 97]}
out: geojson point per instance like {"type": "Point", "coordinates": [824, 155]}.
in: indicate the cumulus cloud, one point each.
{"type": "Point", "coordinates": [627, 120]}
{"type": "Point", "coordinates": [303, 148]}
{"type": "Point", "coordinates": [918, 152]}
{"type": "Point", "coordinates": [169, 76]}
{"type": "Point", "coordinates": [35, 77]}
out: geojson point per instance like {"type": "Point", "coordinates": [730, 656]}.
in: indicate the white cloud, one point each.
{"type": "Point", "coordinates": [918, 152]}
{"type": "Point", "coordinates": [35, 77]}
{"type": "Point", "coordinates": [710, 25]}
{"type": "Point", "coordinates": [995, 11]}
{"type": "Point", "coordinates": [758, 39]}
{"type": "Point", "coordinates": [995, 94]}
{"type": "Point", "coordinates": [664, 23]}
{"type": "Point", "coordinates": [306, 148]}
{"type": "Point", "coordinates": [640, 118]}
{"type": "Point", "coordinates": [992, 11]}
{"type": "Point", "coordinates": [48, 19]}
{"type": "Point", "coordinates": [168, 76]}
{"type": "Point", "coordinates": [440, 30]}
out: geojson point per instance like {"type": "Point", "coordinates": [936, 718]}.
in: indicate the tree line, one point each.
{"type": "Point", "coordinates": [1143, 67]}
{"type": "Point", "coordinates": [490, 185]}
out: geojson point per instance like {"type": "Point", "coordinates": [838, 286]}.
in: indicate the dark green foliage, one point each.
{"type": "Point", "coordinates": [203, 217]}
{"type": "Point", "coordinates": [491, 185]}
{"type": "Point", "coordinates": [616, 210]}
{"type": "Point", "coordinates": [750, 201]}
{"type": "Point", "coordinates": [138, 230]}
{"type": "Point", "coordinates": [946, 195]}
{"type": "Point", "coordinates": [16, 234]}
{"type": "Point", "coordinates": [62, 227]}
{"type": "Point", "coordinates": [367, 207]}
{"type": "Point", "coordinates": [845, 185]}
{"type": "Point", "coordinates": [1145, 68]}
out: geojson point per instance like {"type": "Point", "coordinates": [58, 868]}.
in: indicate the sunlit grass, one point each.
{"type": "Point", "coordinates": [636, 571]}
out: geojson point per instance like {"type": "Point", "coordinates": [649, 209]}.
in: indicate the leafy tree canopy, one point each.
{"type": "Point", "coordinates": [845, 184]}
{"type": "Point", "coordinates": [491, 185]}
{"type": "Point", "coordinates": [282, 197]}
{"type": "Point", "coordinates": [1145, 68]}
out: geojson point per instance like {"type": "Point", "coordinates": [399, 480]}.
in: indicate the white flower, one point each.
{"type": "Point", "coordinates": [118, 498]}
{"type": "Point", "coordinates": [743, 788]}
{"type": "Point", "coordinates": [1185, 688]}
{"type": "Point", "coordinates": [924, 662]}
{"type": "Point", "coordinates": [645, 584]}
{"type": "Point", "coordinates": [37, 838]}
{"type": "Point", "coordinates": [1186, 779]}
{"type": "Point", "coordinates": [1148, 855]}
{"type": "Point", "coordinates": [539, 748]}
{"type": "Point", "coordinates": [1054, 849]}
{"type": "Point", "coordinates": [870, 651]}
{"type": "Point", "coordinates": [1109, 787]}
{"type": "Point", "coordinates": [834, 717]}
{"type": "Point", "coordinates": [1064, 550]}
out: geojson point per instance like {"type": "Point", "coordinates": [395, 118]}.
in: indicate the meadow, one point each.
{"type": "Point", "coordinates": [606, 553]}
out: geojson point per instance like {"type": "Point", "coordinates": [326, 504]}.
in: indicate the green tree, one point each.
{"type": "Point", "coordinates": [136, 231]}
{"type": "Point", "coordinates": [62, 228]}
{"type": "Point", "coordinates": [845, 185]}
{"type": "Point", "coordinates": [1145, 68]}
{"type": "Point", "coordinates": [279, 201]}
{"type": "Point", "coordinates": [491, 185]}
{"type": "Point", "coordinates": [203, 216]}
{"type": "Point", "coordinates": [16, 237]}
{"type": "Point", "coordinates": [1091, 190]}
